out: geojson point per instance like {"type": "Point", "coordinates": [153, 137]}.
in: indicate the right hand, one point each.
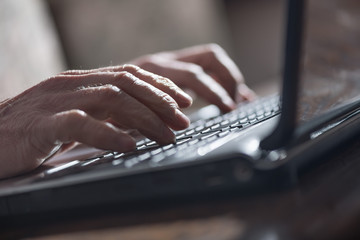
{"type": "Point", "coordinates": [92, 107]}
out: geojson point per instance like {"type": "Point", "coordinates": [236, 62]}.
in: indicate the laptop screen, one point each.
{"type": "Point", "coordinates": [330, 75]}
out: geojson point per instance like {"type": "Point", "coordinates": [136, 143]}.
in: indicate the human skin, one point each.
{"type": "Point", "coordinates": [205, 69]}
{"type": "Point", "coordinates": [97, 107]}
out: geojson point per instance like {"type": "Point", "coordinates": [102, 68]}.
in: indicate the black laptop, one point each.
{"type": "Point", "coordinates": [261, 145]}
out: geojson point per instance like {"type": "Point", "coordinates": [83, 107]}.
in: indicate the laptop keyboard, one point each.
{"type": "Point", "coordinates": [199, 133]}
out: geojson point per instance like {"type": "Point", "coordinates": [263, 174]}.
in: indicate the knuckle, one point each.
{"type": "Point", "coordinates": [74, 117]}
{"type": "Point", "coordinates": [129, 80]}
{"type": "Point", "coordinates": [131, 68]}
{"type": "Point", "coordinates": [214, 50]}
{"type": "Point", "coordinates": [74, 72]}
{"type": "Point", "coordinates": [51, 82]}
{"type": "Point", "coordinates": [164, 81]}
{"type": "Point", "coordinates": [168, 100]}
{"type": "Point", "coordinates": [67, 122]}
{"type": "Point", "coordinates": [68, 72]}
{"type": "Point", "coordinates": [194, 71]}
{"type": "Point", "coordinates": [108, 92]}
{"type": "Point", "coordinates": [125, 76]}
{"type": "Point", "coordinates": [151, 63]}
{"type": "Point", "coordinates": [214, 47]}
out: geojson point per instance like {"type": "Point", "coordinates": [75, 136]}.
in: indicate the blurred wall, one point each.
{"type": "Point", "coordinates": [29, 47]}
{"type": "Point", "coordinates": [257, 28]}
{"type": "Point", "coordinates": [97, 33]}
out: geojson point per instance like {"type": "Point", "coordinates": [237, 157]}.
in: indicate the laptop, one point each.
{"type": "Point", "coordinates": [263, 144]}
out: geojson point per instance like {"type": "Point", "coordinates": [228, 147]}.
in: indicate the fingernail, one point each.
{"type": "Point", "coordinates": [245, 93]}
{"type": "Point", "coordinates": [182, 119]}
{"type": "Point", "coordinates": [229, 102]}
{"type": "Point", "coordinates": [239, 97]}
{"type": "Point", "coordinates": [168, 136]}
{"type": "Point", "coordinates": [126, 144]}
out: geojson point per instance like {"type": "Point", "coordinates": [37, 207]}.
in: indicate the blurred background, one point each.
{"type": "Point", "coordinates": [41, 38]}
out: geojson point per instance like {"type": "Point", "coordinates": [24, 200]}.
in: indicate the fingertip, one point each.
{"type": "Point", "coordinates": [244, 93]}
{"type": "Point", "coordinates": [182, 120]}
{"type": "Point", "coordinates": [125, 143]}
{"type": "Point", "coordinates": [167, 136]}
{"type": "Point", "coordinates": [227, 104]}
{"type": "Point", "coordinates": [183, 99]}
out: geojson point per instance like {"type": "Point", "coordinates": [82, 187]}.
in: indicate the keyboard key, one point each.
{"type": "Point", "coordinates": [225, 123]}
{"type": "Point", "coordinates": [166, 147]}
{"type": "Point", "coordinates": [131, 162]}
{"type": "Point", "coordinates": [170, 152]}
{"type": "Point", "coordinates": [63, 167]}
{"type": "Point", "coordinates": [215, 126]}
{"type": "Point", "coordinates": [188, 141]}
{"type": "Point", "coordinates": [190, 132]}
{"type": "Point", "coordinates": [181, 136]}
{"type": "Point", "coordinates": [181, 147]}
{"type": "Point", "coordinates": [209, 123]}
{"type": "Point", "coordinates": [151, 144]}
{"type": "Point", "coordinates": [118, 155]}
{"type": "Point", "coordinates": [141, 147]}
{"type": "Point", "coordinates": [252, 116]}
{"type": "Point", "coordinates": [260, 117]}
{"type": "Point", "coordinates": [244, 120]}
{"type": "Point", "coordinates": [193, 142]}
{"type": "Point", "coordinates": [199, 128]}
{"type": "Point", "coordinates": [236, 125]}
{"type": "Point", "coordinates": [260, 113]}
{"type": "Point", "coordinates": [181, 141]}
{"type": "Point", "coordinates": [90, 162]}
{"type": "Point", "coordinates": [117, 162]}
{"type": "Point", "coordinates": [206, 130]}
{"type": "Point", "coordinates": [211, 138]}
{"type": "Point", "coordinates": [144, 156]}
{"type": "Point", "coordinates": [224, 133]}
{"type": "Point", "coordinates": [157, 158]}
{"type": "Point", "coordinates": [141, 142]}
{"type": "Point", "coordinates": [156, 151]}
{"type": "Point", "coordinates": [210, 135]}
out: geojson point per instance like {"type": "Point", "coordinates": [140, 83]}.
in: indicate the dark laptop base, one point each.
{"type": "Point", "coordinates": [233, 175]}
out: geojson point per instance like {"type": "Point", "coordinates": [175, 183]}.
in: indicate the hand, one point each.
{"type": "Point", "coordinates": [92, 107]}
{"type": "Point", "coordinates": [205, 69]}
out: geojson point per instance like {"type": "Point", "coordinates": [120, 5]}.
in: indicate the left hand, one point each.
{"type": "Point", "coordinates": [205, 69]}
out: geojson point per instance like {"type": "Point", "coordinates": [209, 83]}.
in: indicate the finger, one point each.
{"type": "Point", "coordinates": [245, 93]}
{"type": "Point", "coordinates": [156, 100]}
{"type": "Point", "coordinates": [76, 125]}
{"type": "Point", "coordinates": [229, 72]}
{"type": "Point", "coordinates": [109, 102]}
{"type": "Point", "coordinates": [215, 61]}
{"type": "Point", "coordinates": [162, 83]}
{"type": "Point", "coordinates": [193, 77]}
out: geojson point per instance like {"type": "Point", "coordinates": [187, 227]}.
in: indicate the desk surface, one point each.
{"type": "Point", "coordinates": [324, 205]}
